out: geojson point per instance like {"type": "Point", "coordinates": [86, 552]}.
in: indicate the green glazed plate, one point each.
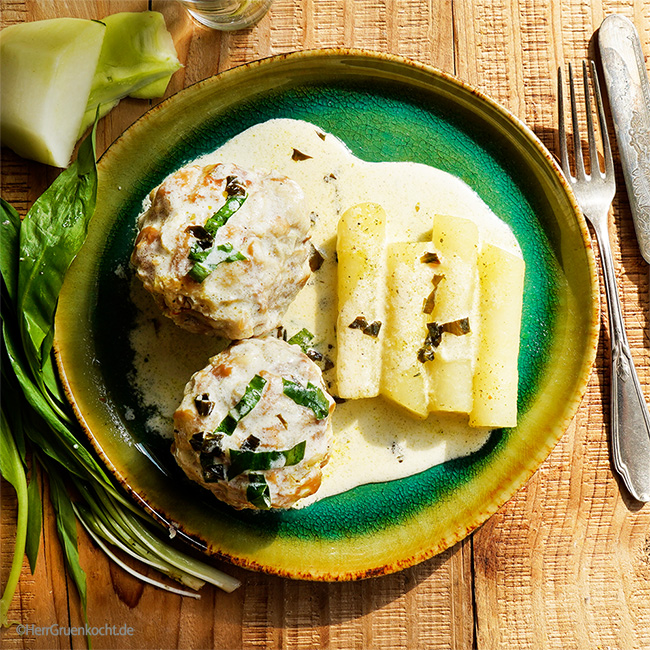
{"type": "Point", "coordinates": [384, 108]}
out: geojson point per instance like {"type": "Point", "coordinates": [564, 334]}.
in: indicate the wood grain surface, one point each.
{"type": "Point", "coordinates": [566, 562]}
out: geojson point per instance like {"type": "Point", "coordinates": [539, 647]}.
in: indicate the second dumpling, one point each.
{"type": "Point", "coordinates": [224, 250]}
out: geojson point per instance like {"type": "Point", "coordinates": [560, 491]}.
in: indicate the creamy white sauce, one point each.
{"type": "Point", "coordinates": [374, 440]}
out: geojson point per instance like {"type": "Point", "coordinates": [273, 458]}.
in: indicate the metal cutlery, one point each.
{"type": "Point", "coordinates": [628, 89]}
{"type": "Point", "coordinates": [594, 191]}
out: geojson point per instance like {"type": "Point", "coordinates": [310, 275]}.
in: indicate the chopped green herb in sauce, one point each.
{"type": "Point", "coordinates": [303, 338]}
{"type": "Point", "coordinates": [299, 156]}
{"type": "Point", "coordinates": [251, 443]}
{"type": "Point", "coordinates": [310, 397]}
{"type": "Point", "coordinates": [258, 492]}
{"type": "Point", "coordinates": [223, 214]}
{"type": "Point", "coordinates": [370, 329]}
{"type": "Point", "coordinates": [203, 404]}
{"type": "Point", "coordinates": [430, 301]}
{"type": "Point", "coordinates": [458, 327]}
{"type": "Point", "coordinates": [426, 353]}
{"type": "Point", "coordinates": [323, 361]}
{"type": "Point", "coordinates": [434, 334]}
{"type": "Point", "coordinates": [435, 331]}
{"type": "Point", "coordinates": [246, 404]}
{"type": "Point", "coordinates": [280, 417]}
{"type": "Point", "coordinates": [243, 461]}
{"type": "Point", "coordinates": [430, 258]}
{"type": "Point", "coordinates": [201, 268]}
{"type": "Point", "coordinates": [204, 249]}
{"type": "Point", "coordinates": [213, 470]}
{"type": "Point", "coordinates": [316, 259]}
{"type": "Point", "coordinates": [207, 443]}
{"type": "Point", "coordinates": [234, 187]}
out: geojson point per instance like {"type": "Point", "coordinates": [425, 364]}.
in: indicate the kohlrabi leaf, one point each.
{"type": "Point", "coordinates": [137, 58]}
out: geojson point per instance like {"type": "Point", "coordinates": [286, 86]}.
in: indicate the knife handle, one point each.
{"type": "Point", "coordinates": [628, 89]}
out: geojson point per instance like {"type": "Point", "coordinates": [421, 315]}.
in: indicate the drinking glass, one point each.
{"type": "Point", "coordinates": [227, 15]}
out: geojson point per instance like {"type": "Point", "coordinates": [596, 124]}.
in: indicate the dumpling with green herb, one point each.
{"type": "Point", "coordinates": [224, 250]}
{"type": "Point", "coordinates": [254, 425]}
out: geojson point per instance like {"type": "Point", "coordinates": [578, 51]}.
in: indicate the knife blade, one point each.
{"type": "Point", "coordinates": [626, 79]}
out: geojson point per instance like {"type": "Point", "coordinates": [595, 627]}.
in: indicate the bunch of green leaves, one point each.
{"type": "Point", "coordinates": [37, 429]}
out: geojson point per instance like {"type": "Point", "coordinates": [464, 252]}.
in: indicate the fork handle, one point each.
{"type": "Point", "coordinates": [629, 418]}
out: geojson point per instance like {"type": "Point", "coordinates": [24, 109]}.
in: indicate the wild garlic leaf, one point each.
{"type": "Point", "coordinates": [66, 527]}
{"type": "Point", "coordinates": [34, 517]}
{"type": "Point", "coordinates": [50, 237]}
{"type": "Point", "coordinates": [66, 442]}
{"type": "Point", "coordinates": [13, 470]}
{"type": "Point", "coordinates": [221, 216]}
{"type": "Point", "coordinates": [20, 422]}
{"type": "Point", "coordinates": [10, 236]}
{"type": "Point", "coordinates": [206, 260]}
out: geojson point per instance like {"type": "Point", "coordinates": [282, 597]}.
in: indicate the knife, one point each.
{"type": "Point", "coordinates": [627, 84]}
{"type": "Point", "coordinates": [628, 89]}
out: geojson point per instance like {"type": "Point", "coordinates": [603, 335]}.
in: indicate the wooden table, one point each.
{"type": "Point", "coordinates": [566, 562]}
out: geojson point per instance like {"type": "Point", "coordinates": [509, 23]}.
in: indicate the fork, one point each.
{"type": "Point", "coordinates": [594, 192]}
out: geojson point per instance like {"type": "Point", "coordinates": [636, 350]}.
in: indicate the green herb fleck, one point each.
{"type": "Point", "coordinates": [212, 469]}
{"type": "Point", "coordinates": [430, 258]}
{"type": "Point", "coordinates": [205, 234]}
{"type": "Point", "coordinates": [303, 338]}
{"type": "Point", "coordinates": [370, 329]}
{"type": "Point", "coordinates": [426, 353]}
{"type": "Point", "coordinates": [242, 461]}
{"type": "Point", "coordinates": [201, 269]}
{"type": "Point", "coordinates": [430, 301]}
{"type": "Point", "coordinates": [246, 404]}
{"type": "Point", "coordinates": [258, 492]}
{"type": "Point", "coordinates": [221, 216]}
{"type": "Point", "coordinates": [310, 397]}
{"type": "Point", "coordinates": [203, 404]}
{"type": "Point", "coordinates": [458, 327]}
{"type": "Point", "coordinates": [299, 156]}
{"type": "Point", "coordinates": [435, 331]}
{"type": "Point", "coordinates": [199, 272]}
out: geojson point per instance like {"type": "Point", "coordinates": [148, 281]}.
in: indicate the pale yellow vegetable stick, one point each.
{"type": "Point", "coordinates": [496, 377]}
{"type": "Point", "coordinates": [451, 372]}
{"type": "Point", "coordinates": [361, 251]}
{"type": "Point", "coordinates": [409, 281]}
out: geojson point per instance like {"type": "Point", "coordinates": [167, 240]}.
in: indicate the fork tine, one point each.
{"type": "Point", "coordinates": [591, 136]}
{"type": "Point", "coordinates": [577, 145]}
{"type": "Point", "coordinates": [564, 154]}
{"type": "Point", "coordinates": [607, 149]}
